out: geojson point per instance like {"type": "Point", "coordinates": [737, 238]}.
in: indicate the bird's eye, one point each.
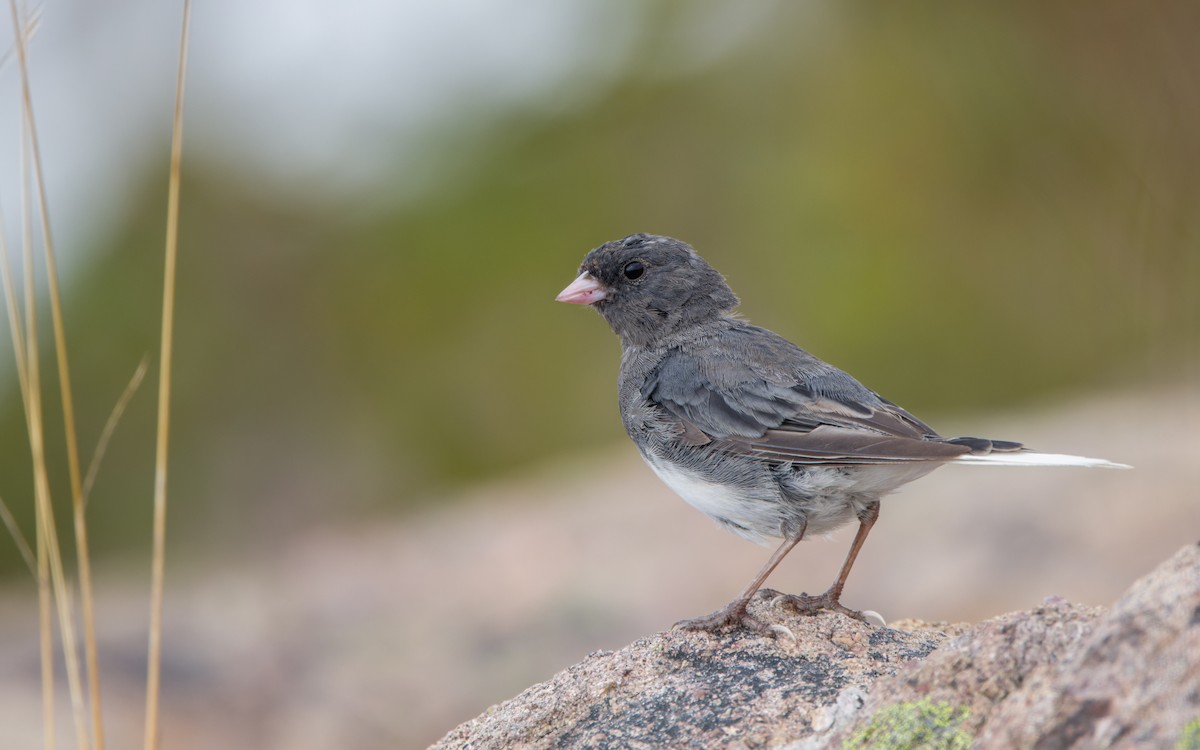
{"type": "Point", "coordinates": [633, 270]}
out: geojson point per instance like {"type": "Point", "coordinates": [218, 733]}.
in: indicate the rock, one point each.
{"type": "Point", "coordinates": [1058, 676]}
{"type": "Point", "coordinates": [1061, 676]}
{"type": "Point", "coordinates": [1132, 681]}
{"type": "Point", "coordinates": [683, 689]}
{"type": "Point", "coordinates": [972, 674]}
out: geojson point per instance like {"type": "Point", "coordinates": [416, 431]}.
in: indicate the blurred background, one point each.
{"type": "Point", "coordinates": [400, 490]}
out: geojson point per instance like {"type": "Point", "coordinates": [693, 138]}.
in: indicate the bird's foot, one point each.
{"type": "Point", "coordinates": [810, 605]}
{"type": "Point", "coordinates": [732, 616]}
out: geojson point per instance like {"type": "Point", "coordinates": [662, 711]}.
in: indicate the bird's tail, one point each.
{"type": "Point", "coordinates": [1033, 458]}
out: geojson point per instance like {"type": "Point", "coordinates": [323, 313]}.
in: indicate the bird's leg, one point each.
{"type": "Point", "coordinates": [830, 599]}
{"type": "Point", "coordinates": [735, 612]}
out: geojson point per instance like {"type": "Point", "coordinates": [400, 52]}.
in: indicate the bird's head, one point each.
{"type": "Point", "coordinates": [647, 287]}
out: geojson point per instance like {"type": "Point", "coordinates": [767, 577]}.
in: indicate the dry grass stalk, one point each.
{"type": "Point", "coordinates": [164, 398]}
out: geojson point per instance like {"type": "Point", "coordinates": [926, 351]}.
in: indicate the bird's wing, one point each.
{"type": "Point", "coordinates": [750, 391]}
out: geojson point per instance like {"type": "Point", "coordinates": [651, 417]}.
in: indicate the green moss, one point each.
{"type": "Point", "coordinates": [1189, 738]}
{"type": "Point", "coordinates": [920, 724]}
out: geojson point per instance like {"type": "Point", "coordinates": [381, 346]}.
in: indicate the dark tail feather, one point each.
{"type": "Point", "coordinates": [983, 446]}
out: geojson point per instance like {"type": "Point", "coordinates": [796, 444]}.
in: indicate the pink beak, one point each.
{"type": "Point", "coordinates": [583, 291]}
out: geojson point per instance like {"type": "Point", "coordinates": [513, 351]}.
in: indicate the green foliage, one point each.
{"type": "Point", "coordinates": [916, 725]}
{"type": "Point", "coordinates": [1189, 738]}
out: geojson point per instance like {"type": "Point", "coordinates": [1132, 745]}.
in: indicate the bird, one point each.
{"type": "Point", "coordinates": [766, 439]}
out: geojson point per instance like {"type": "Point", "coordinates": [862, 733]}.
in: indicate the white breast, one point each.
{"type": "Point", "coordinates": [755, 514]}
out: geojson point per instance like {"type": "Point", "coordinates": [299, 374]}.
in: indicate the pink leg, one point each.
{"type": "Point", "coordinates": [830, 599]}
{"type": "Point", "coordinates": [735, 612]}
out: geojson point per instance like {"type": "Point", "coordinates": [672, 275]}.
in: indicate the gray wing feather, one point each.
{"type": "Point", "coordinates": [837, 445]}
{"type": "Point", "coordinates": [753, 392]}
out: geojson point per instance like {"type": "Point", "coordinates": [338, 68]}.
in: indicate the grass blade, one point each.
{"type": "Point", "coordinates": [153, 668]}
{"type": "Point", "coordinates": [18, 538]}
{"type": "Point", "coordinates": [44, 509]}
{"type": "Point", "coordinates": [110, 426]}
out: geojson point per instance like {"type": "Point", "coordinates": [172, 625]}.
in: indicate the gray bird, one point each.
{"type": "Point", "coordinates": [755, 432]}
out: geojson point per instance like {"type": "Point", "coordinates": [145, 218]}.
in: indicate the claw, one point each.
{"type": "Point", "coordinates": [810, 605]}
{"type": "Point", "coordinates": [733, 615]}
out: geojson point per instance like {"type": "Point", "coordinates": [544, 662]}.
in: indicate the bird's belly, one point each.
{"type": "Point", "coordinates": [832, 496]}
{"type": "Point", "coordinates": [755, 512]}
{"type": "Point", "coordinates": [823, 498]}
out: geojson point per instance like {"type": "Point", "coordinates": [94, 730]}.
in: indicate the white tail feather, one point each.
{"type": "Point", "coordinates": [1030, 458]}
